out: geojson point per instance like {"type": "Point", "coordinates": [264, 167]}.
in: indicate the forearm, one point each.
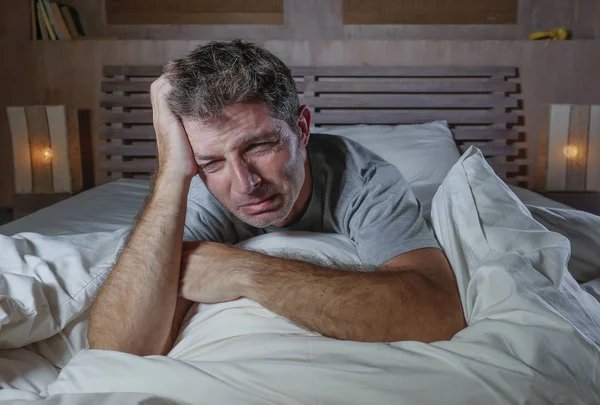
{"type": "Point", "coordinates": [363, 306]}
{"type": "Point", "coordinates": [135, 308]}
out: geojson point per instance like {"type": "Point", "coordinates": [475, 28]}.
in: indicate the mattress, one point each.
{"type": "Point", "coordinates": [114, 205]}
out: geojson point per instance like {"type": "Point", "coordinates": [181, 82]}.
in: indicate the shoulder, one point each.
{"type": "Point", "coordinates": [359, 163]}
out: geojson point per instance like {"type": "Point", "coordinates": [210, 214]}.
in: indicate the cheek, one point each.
{"type": "Point", "coordinates": [276, 166]}
{"type": "Point", "coordinates": [218, 185]}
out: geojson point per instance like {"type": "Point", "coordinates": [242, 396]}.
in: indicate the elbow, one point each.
{"type": "Point", "coordinates": [447, 317]}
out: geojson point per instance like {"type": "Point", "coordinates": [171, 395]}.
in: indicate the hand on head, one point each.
{"type": "Point", "coordinates": [175, 155]}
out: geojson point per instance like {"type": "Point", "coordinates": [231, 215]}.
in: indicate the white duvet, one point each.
{"type": "Point", "coordinates": [533, 334]}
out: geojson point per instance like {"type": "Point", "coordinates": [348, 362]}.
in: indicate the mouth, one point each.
{"type": "Point", "coordinates": [260, 206]}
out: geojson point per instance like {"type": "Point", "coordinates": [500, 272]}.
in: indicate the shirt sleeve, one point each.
{"type": "Point", "coordinates": [385, 219]}
{"type": "Point", "coordinates": [205, 218]}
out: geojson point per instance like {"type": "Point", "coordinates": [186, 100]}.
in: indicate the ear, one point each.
{"type": "Point", "coordinates": [304, 118]}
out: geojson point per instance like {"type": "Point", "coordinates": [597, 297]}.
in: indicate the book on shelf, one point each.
{"type": "Point", "coordinates": [54, 21]}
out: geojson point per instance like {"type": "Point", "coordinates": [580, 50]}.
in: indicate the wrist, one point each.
{"type": "Point", "coordinates": [248, 265]}
{"type": "Point", "coordinates": [176, 176]}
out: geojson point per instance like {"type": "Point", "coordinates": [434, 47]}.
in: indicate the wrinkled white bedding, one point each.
{"type": "Point", "coordinates": [533, 334]}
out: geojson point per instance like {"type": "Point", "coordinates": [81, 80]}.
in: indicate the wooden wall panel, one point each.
{"type": "Point", "coordinates": [194, 12]}
{"type": "Point", "coordinates": [69, 73]}
{"type": "Point", "coordinates": [430, 12]}
{"type": "Point", "coordinates": [593, 158]}
{"type": "Point", "coordinates": [322, 19]}
{"type": "Point", "coordinates": [15, 20]}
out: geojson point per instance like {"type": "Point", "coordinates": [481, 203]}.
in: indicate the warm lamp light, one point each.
{"type": "Point", "coordinates": [571, 151]}
{"type": "Point", "coordinates": [40, 142]}
{"type": "Point", "coordinates": [47, 155]}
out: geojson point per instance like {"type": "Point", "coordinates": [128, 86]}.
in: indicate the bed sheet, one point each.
{"type": "Point", "coordinates": [108, 207]}
{"type": "Point", "coordinates": [533, 334]}
{"type": "Point", "coordinates": [115, 204]}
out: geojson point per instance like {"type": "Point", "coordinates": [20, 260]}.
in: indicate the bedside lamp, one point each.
{"type": "Point", "coordinates": [573, 160]}
{"type": "Point", "coordinates": [42, 169]}
{"type": "Point", "coordinates": [40, 149]}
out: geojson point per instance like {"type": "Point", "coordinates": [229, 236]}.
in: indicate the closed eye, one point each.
{"type": "Point", "coordinates": [261, 145]}
{"type": "Point", "coordinates": [211, 167]}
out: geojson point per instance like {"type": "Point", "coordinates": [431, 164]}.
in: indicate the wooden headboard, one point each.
{"type": "Point", "coordinates": [478, 103]}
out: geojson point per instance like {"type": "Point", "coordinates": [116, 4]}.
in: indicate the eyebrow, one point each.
{"type": "Point", "coordinates": [252, 139]}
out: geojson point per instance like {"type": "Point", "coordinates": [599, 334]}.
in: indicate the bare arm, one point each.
{"type": "Point", "coordinates": [135, 311]}
{"type": "Point", "coordinates": [412, 297]}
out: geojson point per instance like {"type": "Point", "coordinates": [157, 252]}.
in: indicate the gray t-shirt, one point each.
{"type": "Point", "coordinates": [354, 193]}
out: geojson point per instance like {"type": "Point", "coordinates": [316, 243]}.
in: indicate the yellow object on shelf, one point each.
{"type": "Point", "coordinates": [558, 34]}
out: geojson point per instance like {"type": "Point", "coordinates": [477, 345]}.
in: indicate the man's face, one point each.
{"type": "Point", "coordinates": [254, 164]}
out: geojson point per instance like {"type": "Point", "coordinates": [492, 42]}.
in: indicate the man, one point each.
{"type": "Point", "coordinates": [229, 113]}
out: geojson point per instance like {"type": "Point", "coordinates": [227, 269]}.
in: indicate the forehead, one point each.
{"type": "Point", "coordinates": [237, 123]}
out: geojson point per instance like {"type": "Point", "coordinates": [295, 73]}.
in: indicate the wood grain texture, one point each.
{"type": "Point", "coordinates": [560, 117]}
{"type": "Point", "coordinates": [322, 20]}
{"type": "Point", "coordinates": [194, 12]}
{"type": "Point", "coordinates": [578, 138]}
{"type": "Point", "coordinates": [74, 150]}
{"type": "Point", "coordinates": [543, 136]}
{"type": "Point", "coordinates": [329, 117]}
{"type": "Point", "coordinates": [61, 168]}
{"type": "Point", "coordinates": [593, 158]}
{"type": "Point", "coordinates": [430, 12]}
{"type": "Point", "coordinates": [39, 140]}
{"type": "Point", "coordinates": [21, 149]}
{"type": "Point", "coordinates": [69, 73]}
{"type": "Point", "coordinates": [128, 116]}
{"type": "Point", "coordinates": [410, 101]}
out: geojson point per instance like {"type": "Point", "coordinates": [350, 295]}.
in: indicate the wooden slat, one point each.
{"type": "Point", "coordinates": [133, 101]}
{"type": "Point", "coordinates": [357, 117]}
{"type": "Point", "coordinates": [578, 138]}
{"type": "Point", "coordinates": [501, 168]}
{"type": "Point", "coordinates": [362, 86]}
{"type": "Point", "coordinates": [593, 159]}
{"type": "Point", "coordinates": [39, 139]}
{"type": "Point", "coordinates": [491, 149]}
{"type": "Point", "coordinates": [410, 86]}
{"type": "Point", "coordinates": [133, 70]}
{"type": "Point", "coordinates": [61, 170]}
{"type": "Point", "coordinates": [75, 151]}
{"type": "Point", "coordinates": [146, 132]}
{"type": "Point", "coordinates": [401, 117]}
{"type": "Point", "coordinates": [427, 12]}
{"type": "Point", "coordinates": [137, 132]}
{"type": "Point", "coordinates": [484, 134]}
{"type": "Point", "coordinates": [543, 136]}
{"type": "Point", "coordinates": [133, 117]}
{"type": "Point", "coordinates": [128, 150]}
{"type": "Point", "coordinates": [405, 71]}
{"type": "Point", "coordinates": [194, 12]}
{"type": "Point", "coordinates": [341, 71]}
{"type": "Point", "coordinates": [557, 140]}
{"type": "Point", "coordinates": [21, 152]}
{"type": "Point", "coordinates": [411, 101]}
{"type": "Point", "coordinates": [126, 85]}
{"type": "Point", "coordinates": [136, 166]}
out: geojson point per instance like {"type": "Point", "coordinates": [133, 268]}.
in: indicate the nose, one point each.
{"type": "Point", "coordinates": [244, 180]}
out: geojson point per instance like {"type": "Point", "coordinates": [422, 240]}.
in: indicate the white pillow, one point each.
{"type": "Point", "coordinates": [424, 153]}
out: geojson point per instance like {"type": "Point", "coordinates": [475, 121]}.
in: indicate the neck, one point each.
{"type": "Point", "coordinates": [303, 198]}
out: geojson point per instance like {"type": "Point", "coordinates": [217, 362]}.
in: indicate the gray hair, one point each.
{"type": "Point", "coordinates": [219, 74]}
